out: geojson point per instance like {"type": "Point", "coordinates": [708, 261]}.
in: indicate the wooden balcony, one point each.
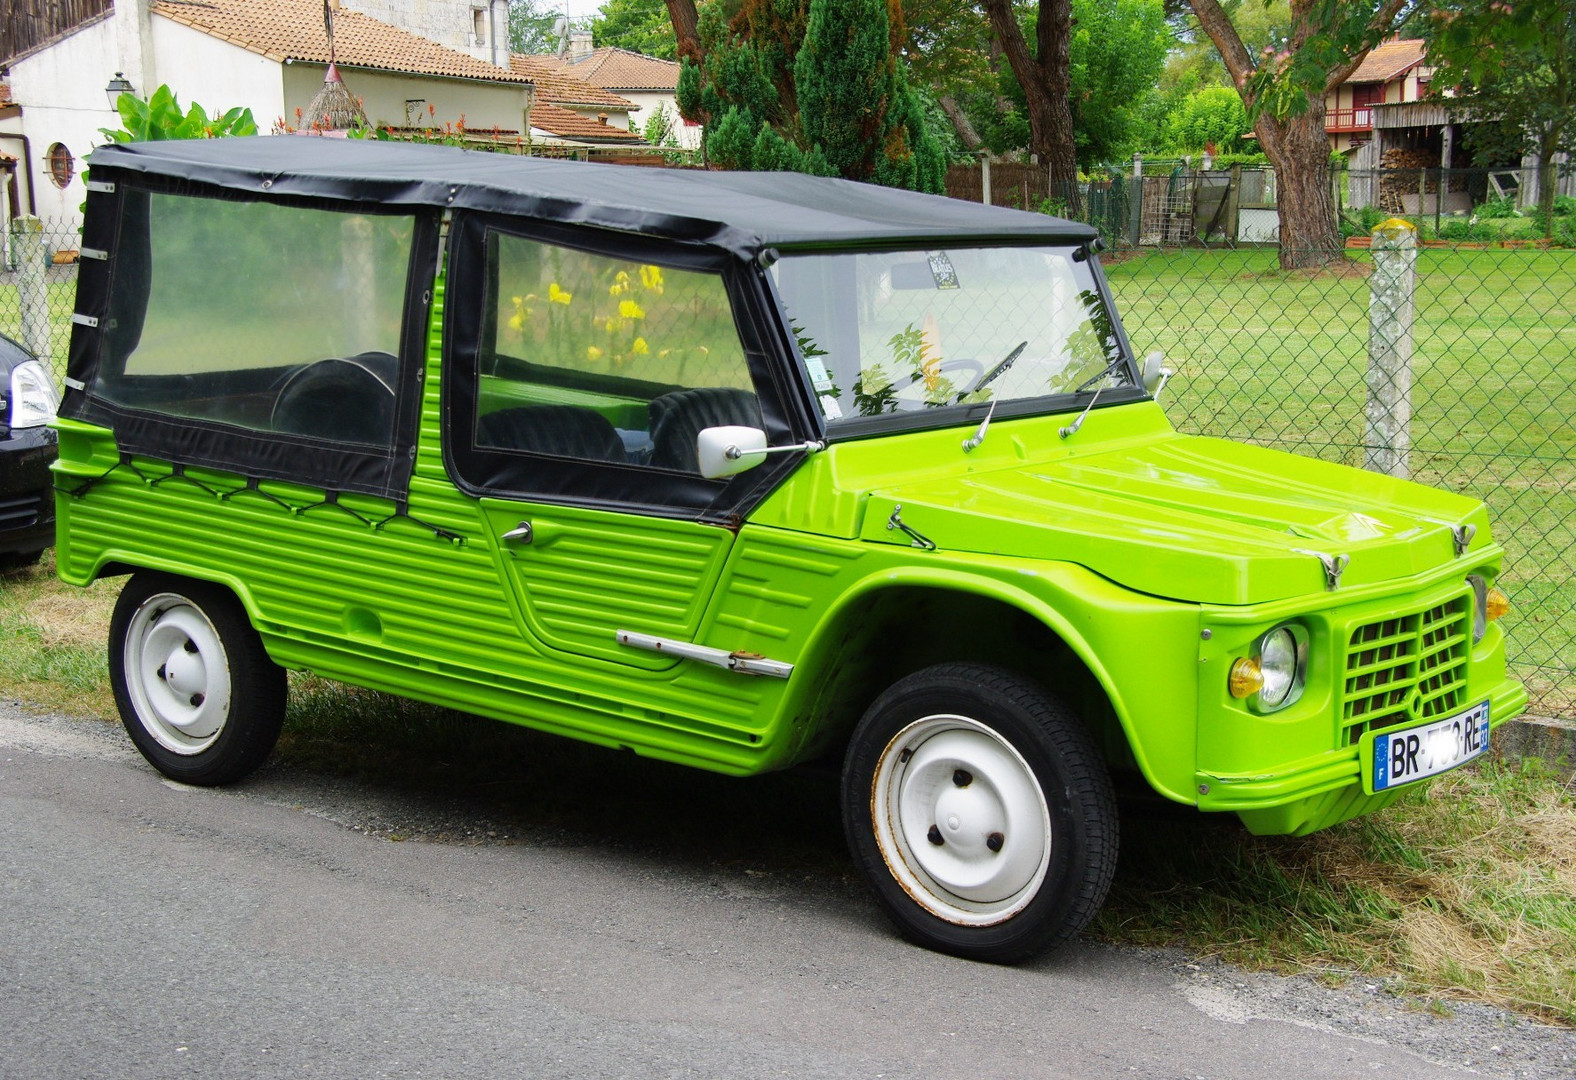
{"type": "Point", "coordinates": [1359, 119]}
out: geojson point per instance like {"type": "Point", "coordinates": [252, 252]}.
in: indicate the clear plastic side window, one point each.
{"type": "Point", "coordinates": [605, 359]}
{"type": "Point", "coordinates": [269, 318]}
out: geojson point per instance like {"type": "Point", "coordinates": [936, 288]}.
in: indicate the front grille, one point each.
{"type": "Point", "coordinates": [1406, 669]}
{"type": "Point", "coordinates": [20, 511]}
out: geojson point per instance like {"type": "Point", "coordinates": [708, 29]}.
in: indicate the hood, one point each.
{"type": "Point", "coordinates": [1191, 519]}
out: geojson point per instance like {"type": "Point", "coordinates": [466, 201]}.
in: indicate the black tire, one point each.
{"type": "Point", "coordinates": [197, 692]}
{"type": "Point", "coordinates": [14, 562]}
{"type": "Point", "coordinates": [949, 780]}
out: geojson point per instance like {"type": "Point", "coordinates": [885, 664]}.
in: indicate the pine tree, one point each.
{"type": "Point", "coordinates": [809, 86]}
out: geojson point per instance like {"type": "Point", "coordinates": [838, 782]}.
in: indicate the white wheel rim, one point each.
{"type": "Point", "coordinates": [177, 674]}
{"type": "Point", "coordinates": [956, 776]}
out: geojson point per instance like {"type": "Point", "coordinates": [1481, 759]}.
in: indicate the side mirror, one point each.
{"type": "Point", "coordinates": [727, 451]}
{"type": "Point", "coordinates": [1156, 373]}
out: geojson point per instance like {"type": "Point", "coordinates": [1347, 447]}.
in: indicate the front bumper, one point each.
{"type": "Point", "coordinates": [1378, 663]}
{"type": "Point", "coordinates": [27, 501]}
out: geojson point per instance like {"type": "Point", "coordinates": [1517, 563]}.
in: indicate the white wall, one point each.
{"type": "Point", "coordinates": [646, 103]}
{"type": "Point", "coordinates": [215, 74]}
{"type": "Point", "coordinates": [61, 91]}
{"type": "Point", "coordinates": [383, 96]}
{"type": "Point", "coordinates": [448, 22]}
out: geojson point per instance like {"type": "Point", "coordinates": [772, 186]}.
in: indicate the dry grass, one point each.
{"type": "Point", "coordinates": [1465, 889]}
{"type": "Point", "coordinates": [53, 651]}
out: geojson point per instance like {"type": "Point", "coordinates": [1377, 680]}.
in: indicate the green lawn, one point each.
{"type": "Point", "coordinates": [1280, 358]}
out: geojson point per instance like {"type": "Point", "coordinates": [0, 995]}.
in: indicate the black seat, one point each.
{"type": "Point", "coordinates": [563, 430]}
{"type": "Point", "coordinates": [677, 418]}
{"type": "Point", "coordinates": [342, 400]}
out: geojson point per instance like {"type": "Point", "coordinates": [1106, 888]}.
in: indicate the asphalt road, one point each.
{"type": "Point", "coordinates": [153, 930]}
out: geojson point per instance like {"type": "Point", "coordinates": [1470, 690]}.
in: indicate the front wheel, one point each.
{"type": "Point", "coordinates": [197, 692]}
{"type": "Point", "coordinates": [978, 808]}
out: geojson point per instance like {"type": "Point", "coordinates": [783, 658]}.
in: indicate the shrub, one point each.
{"type": "Point", "coordinates": [1497, 208]}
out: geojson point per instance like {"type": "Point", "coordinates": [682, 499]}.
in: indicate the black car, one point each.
{"type": "Point", "coordinates": [28, 400]}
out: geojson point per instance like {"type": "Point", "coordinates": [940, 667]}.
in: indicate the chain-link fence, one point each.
{"type": "Point", "coordinates": [38, 286]}
{"type": "Point", "coordinates": [1282, 359]}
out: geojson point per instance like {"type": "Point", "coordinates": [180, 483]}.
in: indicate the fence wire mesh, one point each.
{"type": "Point", "coordinates": [1280, 359]}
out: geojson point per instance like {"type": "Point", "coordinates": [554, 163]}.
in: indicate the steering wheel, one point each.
{"type": "Point", "coordinates": [966, 363]}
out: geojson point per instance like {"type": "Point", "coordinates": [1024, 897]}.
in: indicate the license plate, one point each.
{"type": "Point", "coordinates": [1411, 754]}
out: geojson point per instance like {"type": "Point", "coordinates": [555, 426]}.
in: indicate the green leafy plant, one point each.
{"type": "Point", "coordinates": [161, 117]}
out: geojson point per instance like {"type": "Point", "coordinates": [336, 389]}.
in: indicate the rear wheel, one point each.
{"type": "Point", "coordinates": [197, 692]}
{"type": "Point", "coordinates": [980, 811]}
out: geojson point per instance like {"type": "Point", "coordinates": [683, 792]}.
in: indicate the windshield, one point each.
{"type": "Point", "coordinates": [903, 332]}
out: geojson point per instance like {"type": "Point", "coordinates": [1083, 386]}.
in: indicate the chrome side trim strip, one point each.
{"type": "Point", "coordinates": [744, 663]}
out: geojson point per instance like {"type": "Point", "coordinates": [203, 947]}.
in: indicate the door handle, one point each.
{"type": "Point", "coordinates": [520, 534]}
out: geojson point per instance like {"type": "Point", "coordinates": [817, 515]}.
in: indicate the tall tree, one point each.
{"type": "Point", "coordinates": [1514, 63]}
{"type": "Point", "coordinates": [808, 86]}
{"type": "Point", "coordinates": [1116, 55]}
{"type": "Point", "coordinates": [531, 25]}
{"type": "Point", "coordinates": [685, 20]}
{"type": "Point", "coordinates": [1045, 75]}
{"type": "Point", "coordinates": [1284, 94]}
{"type": "Point", "coordinates": [636, 25]}
{"type": "Point", "coordinates": [947, 48]}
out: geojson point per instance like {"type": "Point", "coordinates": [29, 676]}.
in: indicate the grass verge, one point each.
{"type": "Point", "coordinates": [1466, 889]}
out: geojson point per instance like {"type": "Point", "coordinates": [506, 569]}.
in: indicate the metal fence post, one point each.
{"type": "Point", "coordinates": [32, 270]}
{"type": "Point", "coordinates": [1387, 435]}
{"type": "Point", "coordinates": [1135, 211]}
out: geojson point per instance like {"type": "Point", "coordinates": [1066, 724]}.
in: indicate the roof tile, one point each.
{"type": "Point", "coordinates": [555, 86]}
{"type": "Point", "coordinates": [620, 69]}
{"type": "Point", "coordinates": [293, 30]}
{"type": "Point", "coordinates": [556, 120]}
{"type": "Point", "coordinates": [1389, 60]}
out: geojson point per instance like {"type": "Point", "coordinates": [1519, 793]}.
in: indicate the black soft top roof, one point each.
{"type": "Point", "coordinates": [742, 212]}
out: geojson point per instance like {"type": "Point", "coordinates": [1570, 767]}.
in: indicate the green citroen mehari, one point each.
{"type": "Point", "coordinates": [738, 471]}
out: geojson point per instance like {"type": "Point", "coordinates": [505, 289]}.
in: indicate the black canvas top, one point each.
{"type": "Point", "coordinates": [739, 211]}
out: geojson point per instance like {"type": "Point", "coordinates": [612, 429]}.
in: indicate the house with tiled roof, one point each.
{"type": "Point", "coordinates": [1394, 72]}
{"type": "Point", "coordinates": [268, 55]}
{"type": "Point", "coordinates": [570, 110]}
{"type": "Point", "coordinates": [648, 82]}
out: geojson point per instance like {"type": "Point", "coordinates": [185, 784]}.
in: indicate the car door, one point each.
{"type": "Point", "coordinates": [577, 379]}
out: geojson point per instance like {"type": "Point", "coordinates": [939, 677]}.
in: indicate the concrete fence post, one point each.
{"type": "Point", "coordinates": [1387, 433]}
{"type": "Point", "coordinates": [32, 272]}
{"type": "Point", "coordinates": [985, 177]}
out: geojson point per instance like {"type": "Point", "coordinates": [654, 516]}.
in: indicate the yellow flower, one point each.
{"type": "Point", "coordinates": [517, 321]}
{"type": "Point", "coordinates": [610, 325]}
{"type": "Point", "coordinates": [555, 295]}
{"type": "Point", "coordinates": [663, 352]}
{"type": "Point", "coordinates": [651, 278]}
{"type": "Point", "coordinates": [640, 348]}
{"type": "Point", "coordinates": [628, 309]}
{"type": "Point", "coordinates": [593, 353]}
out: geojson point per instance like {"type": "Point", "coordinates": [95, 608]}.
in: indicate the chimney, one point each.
{"type": "Point", "coordinates": [134, 45]}
{"type": "Point", "coordinates": [580, 45]}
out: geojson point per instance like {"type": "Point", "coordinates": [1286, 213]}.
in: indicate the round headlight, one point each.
{"type": "Point", "coordinates": [1278, 662]}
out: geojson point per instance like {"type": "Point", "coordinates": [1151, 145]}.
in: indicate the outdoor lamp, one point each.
{"type": "Point", "coordinates": [117, 86]}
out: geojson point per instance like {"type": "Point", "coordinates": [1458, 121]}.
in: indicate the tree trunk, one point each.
{"type": "Point", "coordinates": [1046, 83]}
{"type": "Point", "coordinates": [960, 122]}
{"type": "Point", "coordinates": [1300, 151]}
{"type": "Point", "coordinates": [682, 14]}
{"type": "Point", "coordinates": [1548, 180]}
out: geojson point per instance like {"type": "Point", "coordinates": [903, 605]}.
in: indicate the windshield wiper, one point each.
{"type": "Point", "coordinates": [1104, 373]}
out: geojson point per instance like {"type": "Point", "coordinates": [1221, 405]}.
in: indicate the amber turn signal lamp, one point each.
{"type": "Point", "coordinates": [1246, 678]}
{"type": "Point", "coordinates": [1496, 606]}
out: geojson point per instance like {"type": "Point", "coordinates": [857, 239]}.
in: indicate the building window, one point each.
{"type": "Point", "coordinates": [479, 25]}
{"type": "Point", "coordinates": [61, 166]}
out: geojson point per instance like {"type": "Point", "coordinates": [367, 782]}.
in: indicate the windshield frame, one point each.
{"type": "Point", "coordinates": [969, 413]}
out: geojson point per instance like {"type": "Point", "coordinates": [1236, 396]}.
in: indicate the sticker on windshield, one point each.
{"type": "Point", "coordinates": [820, 378]}
{"type": "Point", "coordinates": [829, 407]}
{"type": "Point", "coordinates": [941, 270]}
